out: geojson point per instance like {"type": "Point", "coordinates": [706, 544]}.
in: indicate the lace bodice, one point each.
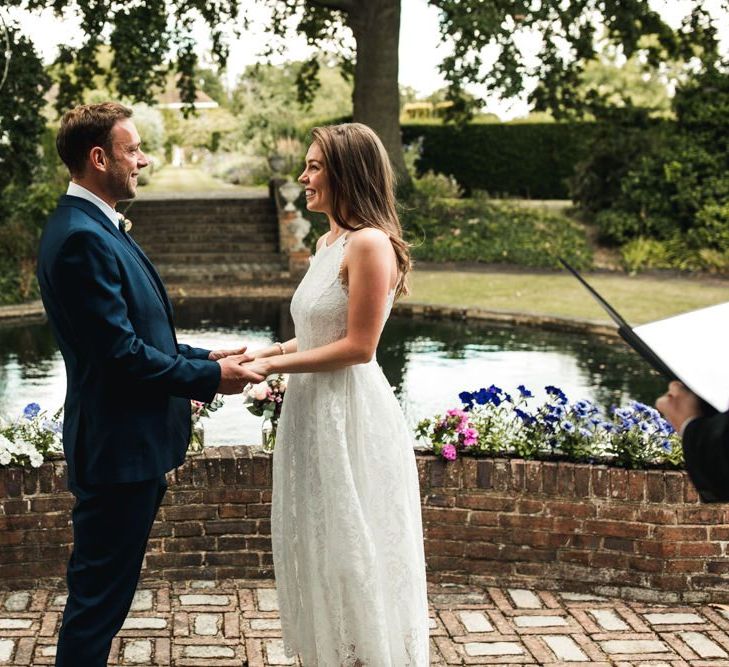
{"type": "Point", "coordinates": [319, 306]}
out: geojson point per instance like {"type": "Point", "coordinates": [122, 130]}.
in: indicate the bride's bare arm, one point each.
{"type": "Point", "coordinates": [289, 347]}
{"type": "Point", "coordinates": [370, 265]}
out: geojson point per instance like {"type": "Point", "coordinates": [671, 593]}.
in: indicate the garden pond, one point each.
{"type": "Point", "coordinates": [428, 362]}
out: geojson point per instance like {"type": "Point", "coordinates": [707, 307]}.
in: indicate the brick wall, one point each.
{"type": "Point", "coordinates": [640, 534]}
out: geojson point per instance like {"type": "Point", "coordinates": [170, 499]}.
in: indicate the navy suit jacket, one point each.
{"type": "Point", "coordinates": [129, 383]}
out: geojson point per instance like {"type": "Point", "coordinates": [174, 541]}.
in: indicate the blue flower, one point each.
{"type": "Point", "coordinates": [490, 395]}
{"type": "Point", "coordinates": [466, 398]}
{"type": "Point", "coordinates": [524, 392]}
{"type": "Point", "coordinates": [568, 426]}
{"type": "Point", "coordinates": [31, 411]}
{"type": "Point", "coordinates": [557, 393]}
{"type": "Point", "coordinates": [585, 432]}
{"type": "Point", "coordinates": [481, 396]}
{"type": "Point", "coordinates": [524, 416]}
{"type": "Point", "coordinates": [666, 444]}
{"type": "Point", "coordinates": [557, 410]}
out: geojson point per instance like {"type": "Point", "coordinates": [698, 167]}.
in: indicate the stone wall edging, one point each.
{"type": "Point", "coordinates": [33, 312]}
{"type": "Point", "coordinates": [640, 534]}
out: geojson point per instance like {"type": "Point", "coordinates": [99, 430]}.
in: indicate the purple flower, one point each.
{"type": "Point", "coordinates": [31, 411]}
{"type": "Point", "coordinates": [449, 452]}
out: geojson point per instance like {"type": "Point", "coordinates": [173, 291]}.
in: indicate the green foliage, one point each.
{"type": "Point", "coordinates": [24, 209]}
{"type": "Point", "coordinates": [436, 186]}
{"type": "Point", "coordinates": [21, 101]}
{"type": "Point", "coordinates": [643, 253]}
{"type": "Point", "coordinates": [626, 84]}
{"type": "Point", "coordinates": [522, 160]}
{"type": "Point", "coordinates": [151, 127]}
{"type": "Point", "coordinates": [619, 140]}
{"type": "Point", "coordinates": [569, 37]}
{"type": "Point", "coordinates": [267, 108]}
{"type": "Point", "coordinates": [481, 230]}
{"type": "Point", "coordinates": [141, 35]}
{"type": "Point", "coordinates": [664, 192]}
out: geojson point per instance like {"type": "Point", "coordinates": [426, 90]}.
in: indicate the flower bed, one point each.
{"type": "Point", "coordinates": [493, 422]}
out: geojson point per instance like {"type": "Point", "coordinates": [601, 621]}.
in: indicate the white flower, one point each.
{"type": "Point", "coordinates": [5, 457]}
{"type": "Point", "coordinates": [36, 459]}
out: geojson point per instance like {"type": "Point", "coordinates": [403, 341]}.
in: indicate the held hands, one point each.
{"type": "Point", "coordinates": [260, 367]}
{"type": "Point", "coordinates": [234, 375]}
{"type": "Point", "coordinates": [678, 405]}
{"type": "Point", "coordinates": [216, 355]}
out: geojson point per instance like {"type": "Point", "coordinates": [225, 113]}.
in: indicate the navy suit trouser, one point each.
{"type": "Point", "coordinates": [111, 526]}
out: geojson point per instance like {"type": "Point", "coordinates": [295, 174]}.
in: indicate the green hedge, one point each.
{"type": "Point", "coordinates": [519, 160]}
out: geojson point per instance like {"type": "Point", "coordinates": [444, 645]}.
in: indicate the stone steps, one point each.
{"type": "Point", "coordinates": [200, 241]}
{"type": "Point", "coordinates": [239, 273]}
{"type": "Point", "coordinates": [208, 235]}
{"type": "Point", "coordinates": [205, 246]}
{"type": "Point", "coordinates": [208, 259]}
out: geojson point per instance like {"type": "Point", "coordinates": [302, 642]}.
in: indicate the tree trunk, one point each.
{"type": "Point", "coordinates": [376, 97]}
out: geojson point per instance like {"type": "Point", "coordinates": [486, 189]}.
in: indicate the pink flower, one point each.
{"type": "Point", "coordinates": [470, 437]}
{"type": "Point", "coordinates": [455, 412]}
{"type": "Point", "coordinates": [449, 452]}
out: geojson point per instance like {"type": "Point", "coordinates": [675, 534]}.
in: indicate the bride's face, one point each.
{"type": "Point", "coordinates": [315, 180]}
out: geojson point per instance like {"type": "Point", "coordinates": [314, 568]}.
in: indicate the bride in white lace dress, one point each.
{"type": "Point", "coordinates": [346, 523]}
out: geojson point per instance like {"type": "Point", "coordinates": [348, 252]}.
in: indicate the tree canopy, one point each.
{"type": "Point", "coordinates": [151, 35]}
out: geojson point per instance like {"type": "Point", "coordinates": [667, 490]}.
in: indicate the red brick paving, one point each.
{"type": "Point", "coordinates": [209, 624]}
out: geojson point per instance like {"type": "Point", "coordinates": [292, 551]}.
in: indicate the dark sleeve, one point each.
{"type": "Point", "coordinates": [192, 352]}
{"type": "Point", "coordinates": [706, 452]}
{"type": "Point", "coordinates": [88, 285]}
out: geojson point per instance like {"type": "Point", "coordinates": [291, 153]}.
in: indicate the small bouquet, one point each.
{"type": "Point", "coordinates": [30, 438]}
{"type": "Point", "coordinates": [199, 411]}
{"type": "Point", "coordinates": [265, 400]}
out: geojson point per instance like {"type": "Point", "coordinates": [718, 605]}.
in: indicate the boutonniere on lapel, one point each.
{"type": "Point", "coordinates": [125, 224]}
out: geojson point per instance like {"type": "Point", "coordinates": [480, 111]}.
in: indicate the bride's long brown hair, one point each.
{"type": "Point", "coordinates": [362, 184]}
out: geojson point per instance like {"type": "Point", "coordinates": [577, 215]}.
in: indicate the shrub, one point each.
{"type": "Point", "coordinates": [486, 231]}
{"type": "Point", "coordinates": [23, 212]}
{"type": "Point", "coordinates": [523, 160]}
{"type": "Point", "coordinates": [670, 209]}
{"type": "Point", "coordinates": [645, 253]}
{"type": "Point", "coordinates": [437, 186]}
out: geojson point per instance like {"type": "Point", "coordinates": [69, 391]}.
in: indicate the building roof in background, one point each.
{"type": "Point", "coordinates": [170, 99]}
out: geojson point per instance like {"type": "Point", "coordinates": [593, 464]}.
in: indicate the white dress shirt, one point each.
{"type": "Point", "coordinates": [76, 190]}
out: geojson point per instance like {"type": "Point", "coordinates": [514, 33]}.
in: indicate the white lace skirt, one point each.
{"type": "Point", "coordinates": [346, 524]}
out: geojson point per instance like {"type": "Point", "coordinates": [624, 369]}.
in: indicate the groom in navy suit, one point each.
{"type": "Point", "coordinates": [129, 382]}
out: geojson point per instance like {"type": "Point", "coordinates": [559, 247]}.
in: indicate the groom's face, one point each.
{"type": "Point", "coordinates": [126, 160]}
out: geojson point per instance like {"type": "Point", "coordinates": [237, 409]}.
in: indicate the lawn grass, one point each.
{"type": "Point", "coordinates": [183, 179]}
{"type": "Point", "coordinates": [639, 299]}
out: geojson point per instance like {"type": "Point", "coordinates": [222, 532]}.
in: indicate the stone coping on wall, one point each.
{"type": "Point", "coordinates": [33, 312]}
{"type": "Point", "coordinates": [632, 533]}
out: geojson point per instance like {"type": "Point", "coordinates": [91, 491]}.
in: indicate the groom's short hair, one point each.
{"type": "Point", "coordinates": [84, 127]}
